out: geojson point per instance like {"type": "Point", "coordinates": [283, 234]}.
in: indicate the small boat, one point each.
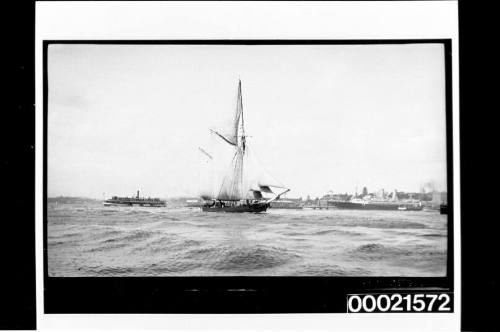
{"type": "Point", "coordinates": [239, 187]}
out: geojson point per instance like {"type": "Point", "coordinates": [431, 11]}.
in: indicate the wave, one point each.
{"type": "Point", "coordinates": [372, 251]}
{"type": "Point", "coordinates": [58, 243]}
{"type": "Point", "coordinates": [107, 233]}
{"type": "Point", "coordinates": [202, 253]}
{"type": "Point", "coordinates": [169, 244]}
{"type": "Point", "coordinates": [108, 246]}
{"type": "Point", "coordinates": [385, 224]}
{"type": "Point", "coordinates": [376, 251]}
{"type": "Point", "coordinates": [349, 233]}
{"type": "Point", "coordinates": [324, 232]}
{"type": "Point", "coordinates": [433, 235]}
{"type": "Point", "coordinates": [295, 234]}
{"type": "Point", "coordinates": [156, 269]}
{"type": "Point", "coordinates": [109, 270]}
{"type": "Point", "coordinates": [253, 258]}
{"type": "Point", "coordinates": [170, 268]}
{"type": "Point", "coordinates": [163, 217]}
{"type": "Point", "coordinates": [114, 236]}
{"type": "Point", "coordinates": [329, 270]}
{"type": "Point", "coordinates": [63, 236]}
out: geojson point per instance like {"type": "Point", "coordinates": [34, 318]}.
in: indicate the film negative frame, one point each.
{"type": "Point", "coordinates": [141, 295]}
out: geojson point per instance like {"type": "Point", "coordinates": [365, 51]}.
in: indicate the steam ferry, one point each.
{"type": "Point", "coordinates": [135, 201]}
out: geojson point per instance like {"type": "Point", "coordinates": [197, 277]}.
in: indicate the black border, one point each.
{"type": "Point", "coordinates": [234, 294]}
{"type": "Point", "coordinates": [480, 286]}
{"type": "Point", "coordinates": [17, 170]}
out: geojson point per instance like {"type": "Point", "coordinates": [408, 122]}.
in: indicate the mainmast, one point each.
{"type": "Point", "coordinates": [232, 185]}
{"type": "Point", "coordinates": [237, 185]}
{"type": "Point", "coordinates": [240, 106]}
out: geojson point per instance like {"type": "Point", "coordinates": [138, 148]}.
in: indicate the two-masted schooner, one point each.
{"type": "Point", "coordinates": [240, 187]}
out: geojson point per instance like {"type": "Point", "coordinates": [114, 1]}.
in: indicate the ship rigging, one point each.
{"type": "Point", "coordinates": [241, 188]}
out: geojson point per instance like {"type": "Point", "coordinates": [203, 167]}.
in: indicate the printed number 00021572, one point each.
{"type": "Point", "coordinates": [365, 303]}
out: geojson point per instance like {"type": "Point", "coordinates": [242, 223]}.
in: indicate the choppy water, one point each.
{"type": "Point", "coordinates": [88, 239]}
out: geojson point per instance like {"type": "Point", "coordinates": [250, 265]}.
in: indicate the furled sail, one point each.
{"type": "Point", "coordinates": [265, 189]}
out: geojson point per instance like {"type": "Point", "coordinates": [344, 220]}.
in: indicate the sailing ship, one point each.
{"type": "Point", "coordinates": [238, 185]}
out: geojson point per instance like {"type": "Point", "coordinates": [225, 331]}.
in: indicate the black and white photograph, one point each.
{"type": "Point", "coordinates": [251, 165]}
{"type": "Point", "coordinates": [246, 159]}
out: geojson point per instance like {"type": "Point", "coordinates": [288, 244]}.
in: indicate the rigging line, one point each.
{"type": "Point", "coordinates": [265, 170]}
{"type": "Point", "coordinates": [241, 110]}
{"type": "Point", "coordinates": [243, 138]}
{"type": "Point", "coordinates": [225, 139]}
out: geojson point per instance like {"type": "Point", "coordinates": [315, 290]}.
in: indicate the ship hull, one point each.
{"type": "Point", "coordinates": [133, 204]}
{"type": "Point", "coordinates": [194, 204]}
{"type": "Point", "coordinates": [253, 208]}
{"type": "Point", "coordinates": [375, 206]}
{"type": "Point", "coordinates": [286, 207]}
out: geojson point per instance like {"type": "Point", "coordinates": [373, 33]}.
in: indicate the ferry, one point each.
{"type": "Point", "coordinates": [135, 201]}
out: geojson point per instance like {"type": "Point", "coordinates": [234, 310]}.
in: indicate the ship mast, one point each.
{"type": "Point", "coordinates": [237, 184]}
{"type": "Point", "coordinates": [232, 185]}
{"type": "Point", "coordinates": [240, 105]}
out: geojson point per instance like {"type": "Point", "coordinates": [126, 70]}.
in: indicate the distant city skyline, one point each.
{"type": "Point", "coordinates": [123, 118]}
{"type": "Point", "coordinates": [329, 192]}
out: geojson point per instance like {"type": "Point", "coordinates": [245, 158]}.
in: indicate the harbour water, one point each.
{"type": "Point", "coordinates": [86, 239]}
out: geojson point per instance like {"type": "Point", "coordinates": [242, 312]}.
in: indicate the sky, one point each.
{"type": "Point", "coordinates": [320, 118]}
